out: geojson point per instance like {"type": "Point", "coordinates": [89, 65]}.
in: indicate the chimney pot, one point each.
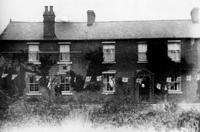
{"type": "Point", "coordinates": [45, 9]}
{"type": "Point", "coordinates": [51, 10]}
{"type": "Point", "coordinates": [195, 15]}
{"type": "Point", "coordinates": [90, 17]}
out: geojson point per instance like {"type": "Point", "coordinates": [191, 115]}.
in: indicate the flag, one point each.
{"type": "Point", "coordinates": [158, 86]}
{"type": "Point", "coordinates": [99, 78]}
{"type": "Point", "coordinates": [188, 77]}
{"type": "Point", "coordinates": [4, 75]}
{"type": "Point", "coordinates": [169, 79]}
{"type": "Point", "coordinates": [88, 79]}
{"type": "Point", "coordinates": [165, 87]}
{"type": "Point", "coordinates": [49, 83]}
{"type": "Point", "coordinates": [14, 76]}
{"type": "Point", "coordinates": [38, 78]}
{"type": "Point", "coordinates": [124, 79]}
{"type": "Point", "coordinates": [74, 79]}
{"type": "Point", "coordinates": [198, 77]}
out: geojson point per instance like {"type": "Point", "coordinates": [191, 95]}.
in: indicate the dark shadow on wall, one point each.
{"type": "Point", "coordinates": [161, 65]}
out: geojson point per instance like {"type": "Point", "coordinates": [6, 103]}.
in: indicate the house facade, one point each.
{"type": "Point", "coordinates": [149, 59]}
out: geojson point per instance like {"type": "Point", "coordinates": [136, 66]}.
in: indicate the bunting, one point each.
{"type": "Point", "coordinates": [158, 86]}
{"type": "Point", "coordinates": [169, 79]}
{"type": "Point", "coordinates": [87, 80]}
{"type": "Point", "coordinates": [99, 78]}
{"type": "Point", "coordinates": [4, 75]}
{"type": "Point", "coordinates": [125, 79]}
{"type": "Point", "coordinates": [198, 77]}
{"type": "Point", "coordinates": [188, 78]}
{"type": "Point", "coordinates": [14, 76]}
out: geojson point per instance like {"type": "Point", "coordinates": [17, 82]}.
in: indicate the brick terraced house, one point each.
{"type": "Point", "coordinates": [148, 58]}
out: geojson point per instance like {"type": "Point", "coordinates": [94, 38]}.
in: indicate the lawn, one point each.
{"type": "Point", "coordinates": [39, 115]}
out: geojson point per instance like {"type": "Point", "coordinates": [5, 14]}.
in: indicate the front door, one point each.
{"type": "Point", "coordinates": [144, 86]}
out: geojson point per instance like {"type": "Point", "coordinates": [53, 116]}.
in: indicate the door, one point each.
{"type": "Point", "coordinates": [144, 88]}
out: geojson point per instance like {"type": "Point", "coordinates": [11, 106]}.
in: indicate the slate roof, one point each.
{"type": "Point", "coordinates": [104, 30]}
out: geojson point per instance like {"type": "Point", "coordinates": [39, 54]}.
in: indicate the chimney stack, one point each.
{"type": "Point", "coordinates": [195, 15]}
{"type": "Point", "coordinates": [90, 17]}
{"type": "Point", "coordinates": [49, 23]}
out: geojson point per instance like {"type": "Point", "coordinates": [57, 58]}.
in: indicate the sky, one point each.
{"type": "Point", "coordinates": [105, 10]}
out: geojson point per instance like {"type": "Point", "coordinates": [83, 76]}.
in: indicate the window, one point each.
{"type": "Point", "coordinates": [33, 53]}
{"type": "Point", "coordinates": [174, 50]}
{"type": "Point", "coordinates": [64, 53]}
{"type": "Point", "coordinates": [33, 84]}
{"type": "Point", "coordinates": [109, 82]}
{"type": "Point", "coordinates": [174, 85]}
{"type": "Point", "coordinates": [142, 50]}
{"type": "Point", "coordinates": [109, 53]}
{"type": "Point", "coordinates": [65, 83]}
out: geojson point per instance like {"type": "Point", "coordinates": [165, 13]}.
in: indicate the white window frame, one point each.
{"type": "Point", "coordinates": [64, 53]}
{"type": "Point", "coordinates": [67, 81]}
{"type": "Point", "coordinates": [175, 82]}
{"type": "Point", "coordinates": [109, 79]}
{"type": "Point", "coordinates": [33, 52]}
{"type": "Point", "coordinates": [142, 48]}
{"type": "Point", "coordinates": [109, 57]}
{"type": "Point", "coordinates": [174, 47]}
{"type": "Point", "coordinates": [33, 84]}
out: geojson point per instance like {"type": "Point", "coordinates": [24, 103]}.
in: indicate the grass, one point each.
{"type": "Point", "coordinates": [39, 115]}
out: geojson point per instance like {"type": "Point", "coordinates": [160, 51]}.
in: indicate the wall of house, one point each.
{"type": "Point", "coordinates": [126, 60]}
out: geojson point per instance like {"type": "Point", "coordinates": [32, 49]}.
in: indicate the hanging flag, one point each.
{"type": "Point", "coordinates": [88, 78]}
{"type": "Point", "coordinates": [99, 78]}
{"type": "Point", "coordinates": [169, 79]}
{"type": "Point", "coordinates": [165, 88]}
{"type": "Point", "coordinates": [139, 80]}
{"type": "Point", "coordinates": [14, 76]}
{"type": "Point", "coordinates": [49, 83]}
{"type": "Point", "coordinates": [158, 86]}
{"type": "Point", "coordinates": [198, 77]}
{"type": "Point", "coordinates": [74, 79]}
{"type": "Point", "coordinates": [188, 77]}
{"type": "Point", "coordinates": [125, 79]}
{"type": "Point", "coordinates": [38, 78]}
{"type": "Point", "coordinates": [4, 75]}
{"type": "Point", "coordinates": [68, 78]}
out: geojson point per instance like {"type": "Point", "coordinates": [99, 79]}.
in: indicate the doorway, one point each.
{"type": "Point", "coordinates": [144, 86]}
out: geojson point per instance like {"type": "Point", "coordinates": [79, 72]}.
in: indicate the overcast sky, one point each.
{"type": "Point", "coordinates": [106, 10]}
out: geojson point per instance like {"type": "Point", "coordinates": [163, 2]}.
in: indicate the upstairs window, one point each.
{"type": "Point", "coordinates": [64, 53]}
{"type": "Point", "coordinates": [142, 50]}
{"type": "Point", "coordinates": [109, 53]}
{"type": "Point", "coordinates": [33, 52]}
{"type": "Point", "coordinates": [174, 50]}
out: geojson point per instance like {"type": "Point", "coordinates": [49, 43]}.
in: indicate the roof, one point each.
{"type": "Point", "coordinates": [104, 30]}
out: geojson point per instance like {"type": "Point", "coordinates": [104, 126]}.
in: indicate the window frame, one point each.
{"type": "Point", "coordinates": [31, 53]}
{"type": "Point", "coordinates": [109, 57]}
{"type": "Point", "coordinates": [105, 80]}
{"type": "Point", "coordinates": [34, 84]}
{"type": "Point", "coordinates": [67, 53]}
{"type": "Point", "coordinates": [139, 53]}
{"type": "Point", "coordinates": [177, 81]}
{"type": "Point", "coordinates": [65, 92]}
{"type": "Point", "coordinates": [174, 42]}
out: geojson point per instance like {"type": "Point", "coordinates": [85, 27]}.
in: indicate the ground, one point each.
{"type": "Point", "coordinates": [39, 115]}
